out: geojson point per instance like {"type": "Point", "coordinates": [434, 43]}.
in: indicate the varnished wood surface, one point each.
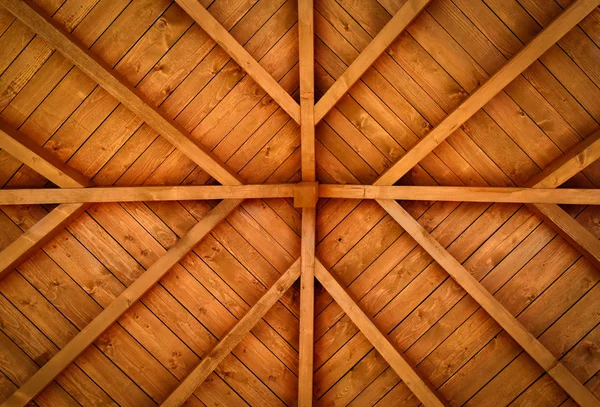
{"type": "Point", "coordinates": [444, 55]}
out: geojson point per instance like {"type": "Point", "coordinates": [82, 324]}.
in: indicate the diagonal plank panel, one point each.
{"type": "Point", "coordinates": [241, 56]}
{"type": "Point", "coordinates": [119, 306]}
{"type": "Point", "coordinates": [22, 148]}
{"type": "Point", "coordinates": [487, 301]}
{"type": "Point", "coordinates": [531, 52]}
{"type": "Point", "coordinates": [233, 338]}
{"type": "Point", "coordinates": [407, 13]}
{"type": "Point", "coordinates": [105, 77]}
{"type": "Point", "coordinates": [309, 216]}
{"type": "Point", "coordinates": [411, 378]}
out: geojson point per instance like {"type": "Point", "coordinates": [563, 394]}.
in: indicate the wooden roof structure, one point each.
{"type": "Point", "coordinates": [311, 202]}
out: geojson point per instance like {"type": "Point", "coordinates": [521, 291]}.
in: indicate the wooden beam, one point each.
{"type": "Point", "coordinates": [462, 194]}
{"type": "Point", "coordinates": [38, 235]}
{"type": "Point", "coordinates": [232, 338]}
{"type": "Point", "coordinates": [306, 34]}
{"type": "Point", "coordinates": [419, 386]}
{"type": "Point", "coordinates": [126, 94]}
{"type": "Point", "coordinates": [307, 308]}
{"type": "Point", "coordinates": [505, 319]}
{"type": "Point", "coordinates": [530, 53]}
{"type": "Point", "coordinates": [21, 147]}
{"type": "Point", "coordinates": [119, 306]}
{"type": "Point", "coordinates": [39, 159]}
{"type": "Point", "coordinates": [559, 171]}
{"type": "Point", "coordinates": [241, 56]}
{"type": "Point", "coordinates": [568, 165]}
{"type": "Point", "coordinates": [407, 13]}
{"type": "Point", "coordinates": [306, 197]}
{"type": "Point", "coordinates": [144, 193]}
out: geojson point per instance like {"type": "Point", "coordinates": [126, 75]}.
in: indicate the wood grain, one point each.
{"type": "Point", "coordinates": [487, 301]}
{"type": "Point", "coordinates": [422, 389]}
{"type": "Point", "coordinates": [241, 56]}
{"type": "Point", "coordinates": [233, 338]}
{"type": "Point", "coordinates": [576, 12]}
{"type": "Point", "coordinates": [403, 17]}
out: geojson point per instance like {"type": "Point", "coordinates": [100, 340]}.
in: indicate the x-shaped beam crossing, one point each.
{"type": "Point", "coordinates": [305, 196]}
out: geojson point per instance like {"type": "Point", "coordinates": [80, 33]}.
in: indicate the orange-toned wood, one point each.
{"type": "Point", "coordinates": [241, 56]}
{"type": "Point", "coordinates": [487, 301]}
{"type": "Point", "coordinates": [130, 97]}
{"type": "Point", "coordinates": [150, 193]}
{"type": "Point", "coordinates": [418, 385]}
{"type": "Point", "coordinates": [462, 194]}
{"type": "Point", "coordinates": [367, 57]}
{"type": "Point", "coordinates": [233, 338]}
{"type": "Point", "coordinates": [119, 306]}
{"type": "Point", "coordinates": [307, 88]}
{"type": "Point", "coordinates": [559, 27]}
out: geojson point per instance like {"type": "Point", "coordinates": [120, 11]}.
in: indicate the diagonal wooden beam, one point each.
{"type": "Point", "coordinates": [460, 194]}
{"type": "Point", "coordinates": [127, 95]}
{"type": "Point", "coordinates": [241, 56]}
{"type": "Point", "coordinates": [306, 46]}
{"type": "Point", "coordinates": [513, 68]}
{"type": "Point", "coordinates": [232, 338]}
{"type": "Point", "coordinates": [505, 319]}
{"type": "Point", "coordinates": [38, 159]}
{"type": "Point", "coordinates": [119, 306]}
{"type": "Point", "coordinates": [559, 171]}
{"type": "Point", "coordinates": [419, 386]}
{"type": "Point", "coordinates": [407, 13]}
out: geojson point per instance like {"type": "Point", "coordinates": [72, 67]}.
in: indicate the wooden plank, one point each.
{"type": "Point", "coordinates": [39, 159]}
{"type": "Point", "coordinates": [144, 193]}
{"type": "Point", "coordinates": [409, 11]}
{"type": "Point", "coordinates": [306, 34]}
{"type": "Point", "coordinates": [568, 165]}
{"type": "Point", "coordinates": [38, 235]}
{"type": "Point", "coordinates": [559, 171]}
{"type": "Point", "coordinates": [233, 337]}
{"type": "Point", "coordinates": [106, 77]}
{"type": "Point", "coordinates": [241, 56]}
{"type": "Point", "coordinates": [529, 54]}
{"type": "Point", "coordinates": [411, 378]}
{"type": "Point", "coordinates": [307, 308]}
{"type": "Point", "coordinates": [487, 301]}
{"type": "Point", "coordinates": [119, 306]}
{"type": "Point", "coordinates": [461, 194]}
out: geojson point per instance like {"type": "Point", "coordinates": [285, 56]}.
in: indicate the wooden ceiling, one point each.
{"type": "Point", "coordinates": [175, 174]}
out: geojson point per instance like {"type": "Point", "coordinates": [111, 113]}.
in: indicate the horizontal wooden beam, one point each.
{"type": "Point", "coordinates": [143, 193]}
{"type": "Point", "coordinates": [462, 194]}
{"type": "Point", "coordinates": [407, 13]}
{"type": "Point", "coordinates": [505, 319]}
{"type": "Point", "coordinates": [119, 306]}
{"type": "Point", "coordinates": [304, 194]}
{"type": "Point", "coordinates": [419, 386]}
{"type": "Point", "coordinates": [233, 338]}
{"type": "Point", "coordinates": [89, 63]}
{"type": "Point", "coordinates": [241, 56]}
{"type": "Point", "coordinates": [568, 19]}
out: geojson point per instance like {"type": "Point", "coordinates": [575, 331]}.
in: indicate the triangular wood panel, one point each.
{"type": "Point", "coordinates": [299, 202]}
